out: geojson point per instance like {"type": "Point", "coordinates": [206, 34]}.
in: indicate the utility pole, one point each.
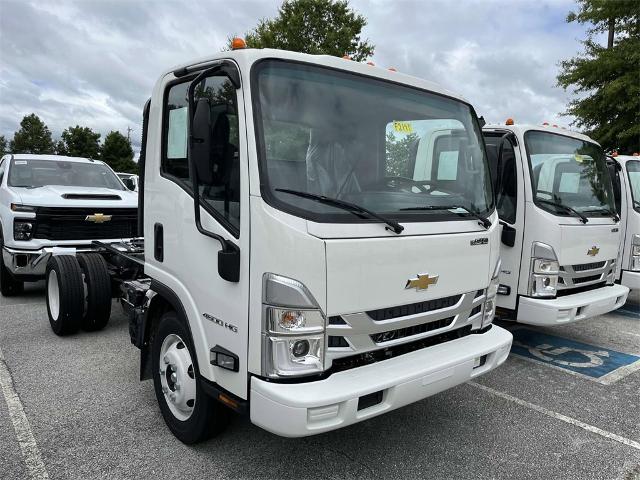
{"type": "Point", "coordinates": [612, 26]}
{"type": "Point", "coordinates": [129, 130]}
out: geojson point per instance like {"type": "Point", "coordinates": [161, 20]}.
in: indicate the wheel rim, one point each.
{"type": "Point", "coordinates": [53, 294]}
{"type": "Point", "coordinates": [177, 377]}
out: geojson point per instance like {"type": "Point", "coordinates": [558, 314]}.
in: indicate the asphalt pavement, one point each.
{"type": "Point", "coordinates": [73, 408]}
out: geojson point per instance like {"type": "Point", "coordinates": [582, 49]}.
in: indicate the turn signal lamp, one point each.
{"type": "Point", "coordinates": [509, 121]}
{"type": "Point", "coordinates": [238, 44]}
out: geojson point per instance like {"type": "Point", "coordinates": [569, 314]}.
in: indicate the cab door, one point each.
{"type": "Point", "coordinates": [508, 181]}
{"type": "Point", "coordinates": [182, 255]}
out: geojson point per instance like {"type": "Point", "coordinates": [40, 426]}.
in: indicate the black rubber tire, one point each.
{"type": "Point", "coordinates": [9, 285]}
{"type": "Point", "coordinates": [209, 417]}
{"type": "Point", "coordinates": [98, 287]}
{"type": "Point", "coordinates": [70, 294]}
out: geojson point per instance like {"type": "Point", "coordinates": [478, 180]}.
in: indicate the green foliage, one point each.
{"type": "Point", "coordinates": [79, 142]}
{"type": "Point", "coordinates": [3, 145]}
{"type": "Point", "coordinates": [607, 78]}
{"type": "Point", "coordinates": [118, 154]}
{"type": "Point", "coordinates": [33, 137]}
{"type": "Point", "coordinates": [313, 26]}
{"type": "Point", "coordinates": [398, 152]}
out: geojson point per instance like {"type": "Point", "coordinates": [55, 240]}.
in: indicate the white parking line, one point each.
{"type": "Point", "coordinates": [27, 442]}
{"type": "Point", "coordinates": [559, 416]}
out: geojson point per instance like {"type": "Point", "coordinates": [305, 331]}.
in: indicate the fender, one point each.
{"type": "Point", "coordinates": [168, 297]}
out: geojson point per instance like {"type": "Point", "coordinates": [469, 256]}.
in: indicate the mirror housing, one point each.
{"type": "Point", "coordinates": [508, 235]}
{"type": "Point", "coordinates": [229, 262]}
{"type": "Point", "coordinates": [201, 142]}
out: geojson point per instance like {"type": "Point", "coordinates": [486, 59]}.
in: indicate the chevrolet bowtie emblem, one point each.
{"type": "Point", "coordinates": [98, 218]}
{"type": "Point", "coordinates": [421, 282]}
{"type": "Point", "coordinates": [593, 251]}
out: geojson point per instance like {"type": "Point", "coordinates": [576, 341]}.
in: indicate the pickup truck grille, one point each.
{"type": "Point", "coordinates": [62, 223]}
{"type": "Point", "coordinates": [376, 332]}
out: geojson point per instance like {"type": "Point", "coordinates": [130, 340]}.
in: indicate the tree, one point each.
{"type": "Point", "coordinates": [3, 145]}
{"type": "Point", "coordinates": [118, 154]}
{"type": "Point", "coordinates": [313, 26]}
{"type": "Point", "coordinates": [79, 142]}
{"type": "Point", "coordinates": [399, 150]}
{"type": "Point", "coordinates": [33, 137]}
{"type": "Point", "coordinates": [607, 77]}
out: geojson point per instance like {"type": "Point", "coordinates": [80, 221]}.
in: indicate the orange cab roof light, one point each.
{"type": "Point", "coordinates": [392, 69]}
{"type": "Point", "coordinates": [346, 57]}
{"type": "Point", "coordinates": [614, 153]}
{"type": "Point", "coordinates": [636, 154]}
{"type": "Point", "coordinates": [509, 121]}
{"type": "Point", "coordinates": [371, 64]}
{"type": "Point", "coordinates": [545, 124]}
{"type": "Point", "coordinates": [238, 43]}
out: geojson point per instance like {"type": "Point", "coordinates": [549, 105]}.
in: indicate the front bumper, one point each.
{"type": "Point", "coordinates": [630, 279]}
{"type": "Point", "coordinates": [309, 408]}
{"type": "Point", "coordinates": [33, 263]}
{"type": "Point", "coordinates": [559, 311]}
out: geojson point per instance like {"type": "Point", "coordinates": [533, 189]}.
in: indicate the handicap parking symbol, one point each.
{"type": "Point", "coordinates": [590, 360]}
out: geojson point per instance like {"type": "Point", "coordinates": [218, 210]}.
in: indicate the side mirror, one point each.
{"type": "Point", "coordinates": [201, 142]}
{"type": "Point", "coordinates": [508, 235]}
{"type": "Point", "coordinates": [229, 262]}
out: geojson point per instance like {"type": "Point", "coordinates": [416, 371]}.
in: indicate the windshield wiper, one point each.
{"type": "Point", "coordinates": [583, 218]}
{"type": "Point", "coordinates": [608, 211]}
{"type": "Point", "coordinates": [392, 225]}
{"type": "Point", "coordinates": [482, 220]}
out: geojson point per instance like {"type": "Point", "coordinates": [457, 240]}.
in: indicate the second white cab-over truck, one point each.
{"type": "Point", "coordinates": [560, 230]}
{"type": "Point", "coordinates": [321, 244]}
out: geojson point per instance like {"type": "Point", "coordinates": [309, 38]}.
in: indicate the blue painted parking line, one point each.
{"type": "Point", "coordinates": [629, 310]}
{"type": "Point", "coordinates": [590, 360]}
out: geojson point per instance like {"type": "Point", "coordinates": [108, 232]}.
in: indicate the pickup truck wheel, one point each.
{"type": "Point", "coordinates": [97, 285]}
{"type": "Point", "coordinates": [65, 294]}
{"type": "Point", "coordinates": [9, 285]}
{"type": "Point", "coordinates": [191, 414]}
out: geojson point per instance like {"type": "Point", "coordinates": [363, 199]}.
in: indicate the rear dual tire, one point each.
{"type": "Point", "coordinates": [78, 293]}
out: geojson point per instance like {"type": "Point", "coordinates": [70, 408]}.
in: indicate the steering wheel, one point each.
{"type": "Point", "coordinates": [389, 181]}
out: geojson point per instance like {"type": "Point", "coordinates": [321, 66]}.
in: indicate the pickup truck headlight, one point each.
{"type": "Point", "coordinates": [543, 279]}
{"type": "Point", "coordinates": [22, 230]}
{"type": "Point", "coordinates": [635, 254]}
{"type": "Point", "coordinates": [489, 309]}
{"type": "Point", "coordinates": [293, 327]}
{"type": "Point", "coordinates": [17, 207]}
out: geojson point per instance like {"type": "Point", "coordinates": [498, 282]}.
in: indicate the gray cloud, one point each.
{"type": "Point", "coordinates": [94, 63]}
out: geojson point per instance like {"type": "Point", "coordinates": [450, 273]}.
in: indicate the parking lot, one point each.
{"type": "Point", "coordinates": [565, 404]}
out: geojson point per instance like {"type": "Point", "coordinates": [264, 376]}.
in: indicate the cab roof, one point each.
{"type": "Point", "coordinates": [52, 158]}
{"type": "Point", "coordinates": [521, 129]}
{"type": "Point", "coordinates": [248, 56]}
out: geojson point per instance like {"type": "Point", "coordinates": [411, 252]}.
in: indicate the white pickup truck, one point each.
{"type": "Point", "coordinates": [54, 205]}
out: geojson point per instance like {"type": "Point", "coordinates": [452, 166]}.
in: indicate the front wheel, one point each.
{"type": "Point", "coordinates": [191, 414]}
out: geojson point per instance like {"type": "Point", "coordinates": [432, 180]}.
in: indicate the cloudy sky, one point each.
{"type": "Point", "coordinates": [94, 62]}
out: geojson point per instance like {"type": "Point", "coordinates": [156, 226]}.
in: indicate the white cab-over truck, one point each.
{"type": "Point", "coordinates": [54, 204]}
{"type": "Point", "coordinates": [560, 230]}
{"type": "Point", "coordinates": [293, 267]}
{"type": "Point", "coordinates": [625, 173]}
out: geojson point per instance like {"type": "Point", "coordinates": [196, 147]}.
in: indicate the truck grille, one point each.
{"type": "Point", "coordinates": [72, 224]}
{"type": "Point", "coordinates": [583, 277]}
{"type": "Point", "coordinates": [374, 332]}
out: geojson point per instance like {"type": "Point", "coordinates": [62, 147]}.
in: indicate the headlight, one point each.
{"type": "Point", "coordinates": [293, 329]}
{"type": "Point", "coordinates": [22, 229]}
{"type": "Point", "coordinates": [489, 308]}
{"type": "Point", "coordinates": [635, 253]}
{"type": "Point", "coordinates": [16, 207]}
{"type": "Point", "coordinates": [543, 279]}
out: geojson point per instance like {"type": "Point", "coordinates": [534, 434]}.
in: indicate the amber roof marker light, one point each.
{"type": "Point", "coordinates": [509, 121]}
{"type": "Point", "coordinates": [238, 43]}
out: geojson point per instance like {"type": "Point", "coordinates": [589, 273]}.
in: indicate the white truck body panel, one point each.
{"type": "Point", "coordinates": [629, 222]}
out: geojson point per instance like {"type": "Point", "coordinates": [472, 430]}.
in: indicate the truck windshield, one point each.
{"type": "Point", "coordinates": [383, 146]}
{"type": "Point", "coordinates": [568, 174]}
{"type": "Point", "coordinates": [633, 171]}
{"type": "Point", "coordinates": [38, 173]}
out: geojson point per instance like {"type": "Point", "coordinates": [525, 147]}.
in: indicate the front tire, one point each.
{"type": "Point", "coordinates": [9, 285]}
{"type": "Point", "coordinates": [65, 294]}
{"type": "Point", "coordinates": [191, 414]}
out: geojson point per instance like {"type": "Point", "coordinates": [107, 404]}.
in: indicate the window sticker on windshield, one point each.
{"type": "Point", "coordinates": [21, 162]}
{"type": "Point", "coordinates": [177, 137]}
{"type": "Point", "coordinates": [569, 182]}
{"type": "Point", "coordinates": [402, 127]}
